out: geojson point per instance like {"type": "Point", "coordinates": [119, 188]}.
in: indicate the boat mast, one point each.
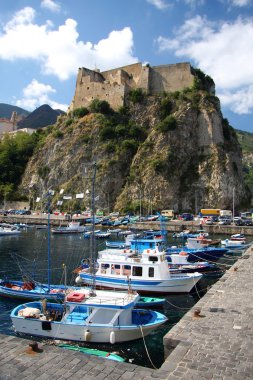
{"type": "Point", "coordinates": [92, 264]}
{"type": "Point", "coordinates": [50, 193]}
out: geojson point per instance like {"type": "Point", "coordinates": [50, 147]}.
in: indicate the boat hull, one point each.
{"type": "Point", "coordinates": [206, 254]}
{"type": "Point", "coordinates": [56, 292]}
{"type": "Point", "coordinates": [79, 330]}
{"type": "Point", "coordinates": [177, 284]}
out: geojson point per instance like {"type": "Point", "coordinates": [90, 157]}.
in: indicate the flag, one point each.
{"type": "Point", "coordinates": [59, 203]}
{"type": "Point", "coordinates": [79, 196]}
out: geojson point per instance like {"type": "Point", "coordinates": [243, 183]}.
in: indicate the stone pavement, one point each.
{"type": "Point", "coordinates": [214, 340]}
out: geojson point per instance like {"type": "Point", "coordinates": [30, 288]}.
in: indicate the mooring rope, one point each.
{"type": "Point", "coordinates": [147, 348]}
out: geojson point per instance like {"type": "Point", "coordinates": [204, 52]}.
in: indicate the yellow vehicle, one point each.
{"type": "Point", "coordinates": [210, 212]}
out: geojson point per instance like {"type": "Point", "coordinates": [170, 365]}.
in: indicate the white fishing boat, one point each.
{"type": "Point", "coordinates": [235, 244]}
{"type": "Point", "coordinates": [146, 273]}
{"type": "Point", "coordinates": [9, 229]}
{"type": "Point", "coordinates": [103, 317]}
{"type": "Point", "coordinates": [72, 228]}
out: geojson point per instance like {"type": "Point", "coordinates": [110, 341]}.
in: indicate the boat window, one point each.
{"type": "Point", "coordinates": [117, 269]}
{"type": "Point", "coordinates": [137, 271]}
{"type": "Point", "coordinates": [153, 258]}
{"type": "Point", "coordinates": [151, 272]}
{"type": "Point", "coordinates": [104, 267]}
{"type": "Point", "coordinates": [126, 270]}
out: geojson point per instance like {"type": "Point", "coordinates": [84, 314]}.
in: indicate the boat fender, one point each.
{"type": "Point", "coordinates": [112, 337]}
{"type": "Point", "coordinates": [78, 280]}
{"type": "Point", "coordinates": [182, 253]}
{"type": "Point", "coordinates": [87, 335]}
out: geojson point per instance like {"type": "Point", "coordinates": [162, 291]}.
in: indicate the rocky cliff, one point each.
{"type": "Point", "coordinates": [168, 151]}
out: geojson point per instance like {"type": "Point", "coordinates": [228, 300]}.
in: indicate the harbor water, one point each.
{"type": "Point", "coordinates": [27, 254]}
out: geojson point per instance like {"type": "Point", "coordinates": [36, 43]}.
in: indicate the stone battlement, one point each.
{"type": "Point", "coordinates": [114, 85]}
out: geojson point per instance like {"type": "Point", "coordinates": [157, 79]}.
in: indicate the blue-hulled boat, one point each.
{"type": "Point", "coordinates": [206, 253]}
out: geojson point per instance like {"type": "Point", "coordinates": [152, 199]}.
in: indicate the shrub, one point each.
{"type": "Point", "coordinates": [110, 147]}
{"type": "Point", "coordinates": [130, 145]}
{"type": "Point", "coordinates": [69, 122]}
{"type": "Point", "coordinates": [136, 96]}
{"type": "Point", "coordinates": [107, 133]}
{"type": "Point", "coordinates": [57, 134]}
{"type": "Point", "coordinates": [121, 130]}
{"type": "Point", "coordinates": [166, 107]}
{"type": "Point", "coordinates": [168, 124]}
{"type": "Point", "coordinates": [158, 165]}
{"type": "Point", "coordinates": [202, 81]}
{"type": "Point", "coordinates": [100, 106]}
{"type": "Point", "coordinates": [80, 112]}
{"type": "Point", "coordinates": [137, 132]}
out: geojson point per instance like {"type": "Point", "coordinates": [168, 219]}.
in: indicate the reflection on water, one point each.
{"type": "Point", "coordinates": [32, 245]}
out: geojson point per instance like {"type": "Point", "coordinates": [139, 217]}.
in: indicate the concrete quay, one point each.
{"type": "Point", "coordinates": [214, 340]}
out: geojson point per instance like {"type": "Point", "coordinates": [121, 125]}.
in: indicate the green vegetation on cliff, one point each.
{"type": "Point", "coordinates": [246, 141]}
{"type": "Point", "coordinates": [15, 152]}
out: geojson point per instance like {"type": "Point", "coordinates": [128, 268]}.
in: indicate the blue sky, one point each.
{"type": "Point", "coordinates": [44, 42]}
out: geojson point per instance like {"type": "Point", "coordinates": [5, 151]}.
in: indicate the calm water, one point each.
{"type": "Point", "coordinates": [69, 250]}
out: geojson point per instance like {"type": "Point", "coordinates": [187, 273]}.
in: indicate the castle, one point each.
{"type": "Point", "coordinates": [114, 85]}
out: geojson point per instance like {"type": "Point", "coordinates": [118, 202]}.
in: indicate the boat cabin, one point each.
{"type": "Point", "coordinates": [151, 263]}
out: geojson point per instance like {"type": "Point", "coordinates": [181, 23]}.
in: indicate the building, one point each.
{"type": "Point", "coordinates": [114, 85]}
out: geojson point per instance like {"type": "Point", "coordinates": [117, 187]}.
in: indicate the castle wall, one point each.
{"type": "Point", "coordinates": [170, 78]}
{"type": "Point", "coordinates": [113, 85]}
{"type": "Point", "coordinates": [87, 91]}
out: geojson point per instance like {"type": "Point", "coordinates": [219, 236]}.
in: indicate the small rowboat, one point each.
{"type": "Point", "coordinates": [93, 351]}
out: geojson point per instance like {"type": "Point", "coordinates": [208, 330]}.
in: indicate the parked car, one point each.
{"type": "Point", "coordinates": [209, 221]}
{"type": "Point", "coordinates": [247, 222]}
{"type": "Point", "coordinates": [186, 216]}
{"type": "Point", "coordinates": [224, 221]}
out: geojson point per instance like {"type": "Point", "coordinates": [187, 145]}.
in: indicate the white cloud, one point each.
{"type": "Point", "coordinates": [240, 101]}
{"type": "Point", "coordinates": [36, 94]}
{"type": "Point", "coordinates": [159, 4]}
{"type": "Point", "coordinates": [51, 5]}
{"type": "Point", "coordinates": [58, 50]}
{"type": "Point", "coordinates": [241, 3]}
{"type": "Point", "coordinates": [194, 3]}
{"type": "Point", "coordinates": [223, 51]}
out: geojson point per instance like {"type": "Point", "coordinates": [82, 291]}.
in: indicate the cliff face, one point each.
{"type": "Point", "coordinates": [195, 162]}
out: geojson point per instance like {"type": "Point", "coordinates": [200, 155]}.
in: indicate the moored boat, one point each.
{"type": "Point", "coordinates": [92, 351]}
{"type": "Point", "coordinates": [9, 229]}
{"type": "Point", "coordinates": [72, 228]}
{"type": "Point", "coordinates": [145, 273]}
{"type": "Point", "coordinates": [30, 290]}
{"type": "Point", "coordinates": [100, 317]}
